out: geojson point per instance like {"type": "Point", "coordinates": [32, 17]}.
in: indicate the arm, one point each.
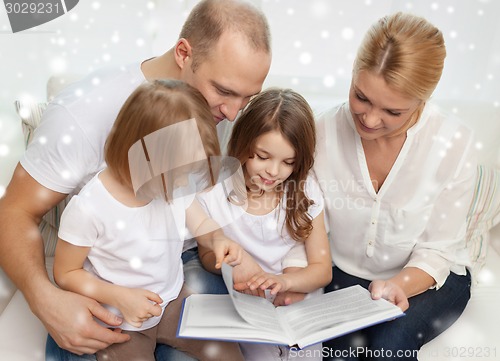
{"type": "Point", "coordinates": [136, 305]}
{"type": "Point", "coordinates": [294, 261]}
{"type": "Point", "coordinates": [211, 238]}
{"type": "Point", "coordinates": [437, 248]}
{"type": "Point", "coordinates": [207, 231]}
{"type": "Point", "coordinates": [289, 297]}
{"type": "Point", "coordinates": [318, 272]}
{"type": "Point", "coordinates": [21, 256]}
{"type": "Point", "coordinates": [409, 282]}
{"type": "Point", "coordinates": [241, 272]}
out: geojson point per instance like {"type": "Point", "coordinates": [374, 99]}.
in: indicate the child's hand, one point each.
{"type": "Point", "coordinates": [289, 297]}
{"type": "Point", "coordinates": [138, 305]}
{"type": "Point", "coordinates": [263, 281]}
{"type": "Point", "coordinates": [227, 251]}
{"type": "Point", "coordinates": [243, 272]}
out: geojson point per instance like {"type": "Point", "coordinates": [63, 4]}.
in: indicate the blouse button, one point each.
{"type": "Point", "coordinates": [369, 249]}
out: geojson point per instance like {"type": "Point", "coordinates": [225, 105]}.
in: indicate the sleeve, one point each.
{"type": "Point", "coordinates": [296, 257]}
{"type": "Point", "coordinates": [442, 244]}
{"type": "Point", "coordinates": [313, 192]}
{"type": "Point", "coordinates": [78, 226]}
{"type": "Point", "coordinates": [59, 156]}
{"type": "Point", "coordinates": [203, 199]}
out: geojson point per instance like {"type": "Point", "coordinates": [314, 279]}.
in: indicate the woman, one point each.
{"type": "Point", "coordinates": [397, 177]}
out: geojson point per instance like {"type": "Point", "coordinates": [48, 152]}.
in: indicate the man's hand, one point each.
{"type": "Point", "coordinates": [68, 317]}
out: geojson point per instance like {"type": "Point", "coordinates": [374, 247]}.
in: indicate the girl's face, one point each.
{"type": "Point", "coordinates": [378, 110]}
{"type": "Point", "coordinates": [272, 162]}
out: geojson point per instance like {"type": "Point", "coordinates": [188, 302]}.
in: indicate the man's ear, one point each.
{"type": "Point", "coordinates": [183, 52]}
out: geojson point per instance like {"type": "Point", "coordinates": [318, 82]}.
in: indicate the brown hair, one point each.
{"type": "Point", "coordinates": [289, 113]}
{"type": "Point", "coordinates": [152, 106]}
{"type": "Point", "coordinates": [408, 52]}
{"type": "Point", "coordinates": [210, 18]}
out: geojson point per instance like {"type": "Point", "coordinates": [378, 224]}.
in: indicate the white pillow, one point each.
{"type": "Point", "coordinates": [484, 214]}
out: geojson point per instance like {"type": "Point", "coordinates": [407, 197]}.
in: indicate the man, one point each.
{"type": "Point", "coordinates": [223, 50]}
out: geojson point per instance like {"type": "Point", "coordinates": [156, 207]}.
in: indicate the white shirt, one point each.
{"type": "Point", "coordinates": [67, 148]}
{"type": "Point", "coordinates": [417, 218]}
{"type": "Point", "coordinates": [264, 237]}
{"type": "Point", "coordinates": [138, 247]}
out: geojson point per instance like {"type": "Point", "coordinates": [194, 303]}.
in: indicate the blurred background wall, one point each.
{"type": "Point", "coordinates": [314, 43]}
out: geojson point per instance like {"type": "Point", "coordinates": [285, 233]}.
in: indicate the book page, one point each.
{"type": "Point", "coordinates": [256, 311]}
{"type": "Point", "coordinates": [213, 317]}
{"type": "Point", "coordinates": [337, 309]}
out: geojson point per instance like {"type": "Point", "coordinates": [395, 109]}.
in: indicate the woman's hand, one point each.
{"type": "Point", "coordinates": [389, 291]}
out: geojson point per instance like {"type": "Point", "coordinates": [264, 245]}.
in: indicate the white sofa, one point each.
{"type": "Point", "coordinates": [473, 337]}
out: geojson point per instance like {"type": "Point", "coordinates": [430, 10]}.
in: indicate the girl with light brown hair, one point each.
{"type": "Point", "coordinates": [121, 238]}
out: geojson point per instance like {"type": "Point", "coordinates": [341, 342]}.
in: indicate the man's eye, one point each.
{"type": "Point", "coordinates": [223, 92]}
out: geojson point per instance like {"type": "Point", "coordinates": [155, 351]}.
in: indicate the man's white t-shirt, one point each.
{"type": "Point", "coordinates": [67, 148]}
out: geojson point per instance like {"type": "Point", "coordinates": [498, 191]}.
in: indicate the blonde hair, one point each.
{"type": "Point", "coordinates": [152, 106]}
{"type": "Point", "coordinates": [209, 19]}
{"type": "Point", "coordinates": [289, 113]}
{"type": "Point", "coordinates": [408, 52]}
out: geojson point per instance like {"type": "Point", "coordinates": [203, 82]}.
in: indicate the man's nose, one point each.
{"type": "Point", "coordinates": [231, 108]}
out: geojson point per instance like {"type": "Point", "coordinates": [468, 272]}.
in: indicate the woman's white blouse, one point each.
{"type": "Point", "coordinates": [417, 218]}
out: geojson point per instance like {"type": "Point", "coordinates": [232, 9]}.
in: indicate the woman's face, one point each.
{"type": "Point", "coordinates": [378, 110]}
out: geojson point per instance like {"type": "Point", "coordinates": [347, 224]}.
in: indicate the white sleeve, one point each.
{"type": "Point", "coordinates": [59, 157]}
{"type": "Point", "coordinates": [313, 192]}
{"type": "Point", "coordinates": [296, 257]}
{"type": "Point", "coordinates": [78, 225]}
{"type": "Point", "coordinates": [443, 240]}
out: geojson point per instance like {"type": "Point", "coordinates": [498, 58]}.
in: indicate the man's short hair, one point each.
{"type": "Point", "coordinates": [210, 18]}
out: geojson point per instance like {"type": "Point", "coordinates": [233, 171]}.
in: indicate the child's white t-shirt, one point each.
{"type": "Point", "coordinates": [264, 237]}
{"type": "Point", "coordinates": [138, 247]}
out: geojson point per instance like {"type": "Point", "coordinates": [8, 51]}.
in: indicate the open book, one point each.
{"type": "Point", "coordinates": [246, 318]}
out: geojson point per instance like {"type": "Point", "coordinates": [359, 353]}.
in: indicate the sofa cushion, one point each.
{"type": "Point", "coordinates": [484, 213]}
{"type": "Point", "coordinates": [474, 336]}
{"type": "Point", "coordinates": [22, 334]}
